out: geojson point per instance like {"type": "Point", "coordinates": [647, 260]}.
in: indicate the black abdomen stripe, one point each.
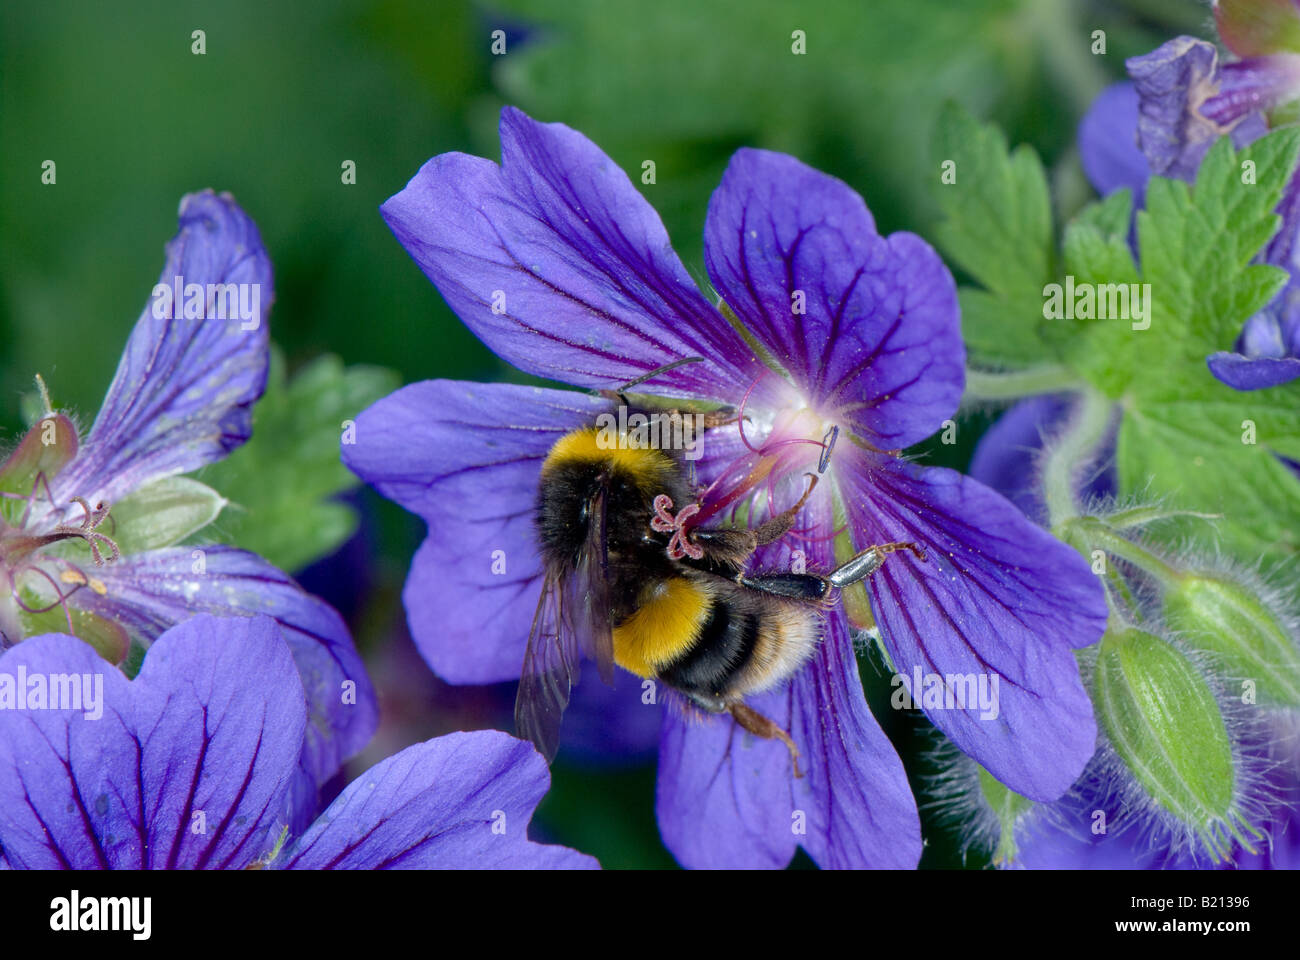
{"type": "Point", "coordinates": [725, 643]}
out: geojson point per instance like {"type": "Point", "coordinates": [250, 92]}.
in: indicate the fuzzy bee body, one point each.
{"type": "Point", "coordinates": [694, 629]}
{"type": "Point", "coordinates": [614, 592]}
{"type": "Point", "coordinates": [626, 583]}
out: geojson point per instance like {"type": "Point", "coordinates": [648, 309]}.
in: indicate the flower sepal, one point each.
{"type": "Point", "coordinates": [44, 450]}
{"type": "Point", "coordinates": [164, 513]}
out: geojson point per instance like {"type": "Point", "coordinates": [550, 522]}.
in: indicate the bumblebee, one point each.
{"type": "Point", "coordinates": [628, 583]}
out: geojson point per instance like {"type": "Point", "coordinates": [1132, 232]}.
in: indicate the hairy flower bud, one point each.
{"type": "Point", "coordinates": [1166, 726]}
{"type": "Point", "coordinates": [1222, 614]}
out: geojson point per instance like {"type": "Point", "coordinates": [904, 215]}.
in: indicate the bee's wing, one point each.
{"type": "Point", "coordinates": [572, 618]}
{"type": "Point", "coordinates": [586, 599]}
{"type": "Point", "coordinates": [550, 670]}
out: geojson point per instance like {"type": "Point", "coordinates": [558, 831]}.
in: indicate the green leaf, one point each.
{"type": "Point", "coordinates": [1192, 455]}
{"type": "Point", "coordinates": [163, 513]}
{"type": "Point", "coordinates": [998, 228]}
{"type": "Point", "coordinates": [1186, 439]}
{"type": "Point", "coordinates": [280, 483]}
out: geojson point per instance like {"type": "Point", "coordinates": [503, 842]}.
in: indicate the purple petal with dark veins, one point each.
{"type": "Point", "coordinates": [1108, 144]}
{"type": "Point", "coordinates": [726, 799]}
{"type": "Point", "coordinates": [467, 458]}
{"type": "Point", "coordinates": [867, 326]}
{"type": "Point", "coordinates": [149, 592]}
{"type": "Point", "coordinates": [723, 797]}
{"type": "Point", "coordinates": [458, 802]}
{"type": "Point", "coordinates": [187, 766]}
{"type": "Point", "coordinates": [185, 388]}
{"type": "Point", "coordinates": [997, 598]}
{"type": "Point", "coordinates": [561, 267]}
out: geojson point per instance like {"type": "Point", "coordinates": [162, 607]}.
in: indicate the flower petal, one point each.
{"type": "Point", "coordinates": [1173, 82]}
{"type": "Point", "coordinates": [1108, 144]}
{"type": "Point", "coordinates": [466, 457]}
{"type": "Point", "coordinates": [723, 797]}
{"type": "Point", "coordinates": [997, 599]}
{"type": "Point", "coordinates": [727, 800]}
{"type": "Point", "coordinates": [868, 327]}
{"type": "Point", "coordinates": [860, 808]}
{"type": "Point", "coordinates": [184, 389]}
{"type": "Point", "coordinates": [1250, 86]}
{"type": "Point", "coordinates": [458, 802]}
{"type": "Point", "coordinates": [1253, 373]}
{"type": "Point", "coordinates": [187, 766]}
{"type": "Point", "coordinates": [149, 592]}
{"type": "Point", "coordinates": [559, 265]}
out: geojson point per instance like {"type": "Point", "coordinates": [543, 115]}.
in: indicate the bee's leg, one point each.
{"type": "Point", "coordinates": [760, 726]}
{"type": "Point", "coordinates": [868, 562]}
{"type": "Point", "coordinates": [808, 587]}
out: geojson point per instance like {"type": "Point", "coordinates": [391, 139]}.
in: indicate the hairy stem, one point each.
{"type": "Point", "coordinates": [1070, 452]}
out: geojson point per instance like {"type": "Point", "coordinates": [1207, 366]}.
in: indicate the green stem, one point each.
{"type": "Point", "coordinates": [982, 385]}
{"type": "Point", "coordinates": [1106, 539]}
{"type": "Point", "coordinates": [1070, 452]}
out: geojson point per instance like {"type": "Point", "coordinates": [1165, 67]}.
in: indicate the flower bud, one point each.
{"type": "Point", "coordinates": [1222, 615]}
{"type": "Point", "coordinates": [1165, 724]}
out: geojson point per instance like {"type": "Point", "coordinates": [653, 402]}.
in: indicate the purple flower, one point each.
{"type": "Point", "coordinates": [1180, 101]}
{"type": "Point", "coordinates": [182, 397]}
{"type": "Point", "coordinates": [191, 766]}
{"type": "Point", "coordinates": [560, 266]}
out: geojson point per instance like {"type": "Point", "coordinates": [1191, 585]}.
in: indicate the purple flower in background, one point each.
{"type": "Point", "coordinates": [1181, 99]}
{"type": "Point", "coordinates": [1006, 455]}
{"type": "Point", "coordinates": [191, 766]}
{"type": "Point", "coordinates": [89, 529]}
{"type": "Point", "coordinates": [561, 267]}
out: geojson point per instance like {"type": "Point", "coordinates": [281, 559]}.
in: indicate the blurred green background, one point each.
{"type": "Point", "coordinates": [285, 93]}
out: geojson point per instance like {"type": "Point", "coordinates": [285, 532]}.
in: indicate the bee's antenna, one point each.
{"type": "Point", "coordinates": [658, 370]}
